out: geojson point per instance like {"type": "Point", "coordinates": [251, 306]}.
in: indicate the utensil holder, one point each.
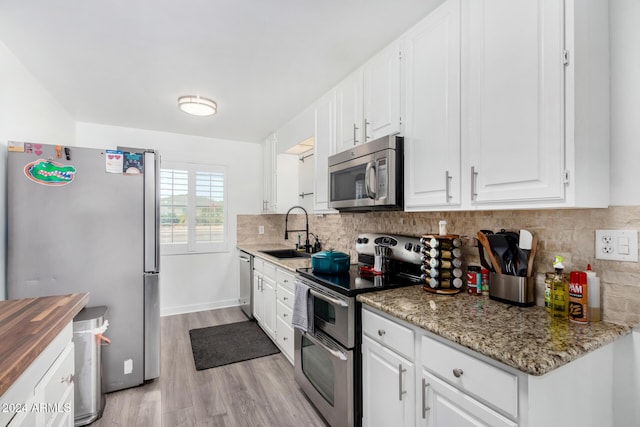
{"type": "Point", "coordinates": [515, 290]}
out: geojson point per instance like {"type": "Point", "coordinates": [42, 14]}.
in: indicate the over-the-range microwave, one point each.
{"type": "Point", "coordinates": [368, 177]}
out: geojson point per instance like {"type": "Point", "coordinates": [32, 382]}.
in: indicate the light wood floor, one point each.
{"type": "Point", "coordinates": [259, 392]}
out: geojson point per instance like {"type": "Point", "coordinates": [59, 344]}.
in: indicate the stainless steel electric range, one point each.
{"type": "Point", "coordinates": [328, 362]}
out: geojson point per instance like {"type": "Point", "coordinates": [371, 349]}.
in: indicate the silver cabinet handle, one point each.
{"type": "Point", "coordinates": [68, 379]}
{"type": "Point", "coordinates": [284, 314]}
{"type": "Point", "coordinates": [474, 177]}
{"type": "Point", "coordinates": [285, 298]}
{"type": "Point", "coordinates": [366, 122]}
{"type": "Point", "coordinates": [334, 301]}
{"type": "Point", "coordinates": [425, 408]}
{"type": "Point", "coordinates": [457, 372]}
{"type": "Point", "coordinates": [381, 332]}
{"type": "Point", "coordinates": [355, 129]}
{"type": "Point", "coordinates": [447, 179]}
{"type": "Point", "coordinates": [401, 392]}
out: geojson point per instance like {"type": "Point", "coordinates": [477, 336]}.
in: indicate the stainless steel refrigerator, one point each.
{"type": "Point", "coordinates": [86, 220]}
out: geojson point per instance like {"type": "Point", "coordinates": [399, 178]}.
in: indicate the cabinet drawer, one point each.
{"type": "Point", "coordinates": [269, 270]}
{"type": "Point", "coordinates": [258, 264]}
{"type": "Point", "coordinates": [285, 296]}
{"type": "Point", "coordinates": [486, 382]}
{"type": "Point", "coordinates": [285, 338]}
{"type": "Point", "coordinates": [285, 279]}
{"type": "Point", "coordinates": [284, 312]}
{"type": "Point", "coordinates": [399, 338]}
{"type": "Point", "coordinates": [57, 381]}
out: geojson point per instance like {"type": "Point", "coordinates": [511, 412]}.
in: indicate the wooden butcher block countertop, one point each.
{"type": "Point", "coordinates": [27, 326]}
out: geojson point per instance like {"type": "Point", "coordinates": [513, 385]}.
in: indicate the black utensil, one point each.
{"type": "Point", "coordinates": [500, 246]}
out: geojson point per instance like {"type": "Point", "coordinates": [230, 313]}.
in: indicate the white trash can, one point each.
{"type": "Point", "coordinates": [88, 329]}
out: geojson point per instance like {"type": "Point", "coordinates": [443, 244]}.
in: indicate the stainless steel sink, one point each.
{"type": "Point", "coordinates": [286, 253]}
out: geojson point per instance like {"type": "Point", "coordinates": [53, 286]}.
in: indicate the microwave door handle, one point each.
{"type": "Point", "coordinates": [367, 173]}
{"type": "Point", "coordinates": [331, 300]}
{"type": "Point", "coordinates": [335, 353]}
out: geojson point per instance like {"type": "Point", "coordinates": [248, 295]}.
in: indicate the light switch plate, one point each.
{"type": "Point", "coordinates": [617, 245]}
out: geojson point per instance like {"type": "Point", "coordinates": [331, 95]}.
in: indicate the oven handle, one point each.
{"type": "Point", "coordinates": [334, 301]}
{"type": "Point", "coordinates": [334, 352]}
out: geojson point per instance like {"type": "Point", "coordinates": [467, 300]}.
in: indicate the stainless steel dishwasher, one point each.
{"type": "Point", "coordinates": [246, 283]}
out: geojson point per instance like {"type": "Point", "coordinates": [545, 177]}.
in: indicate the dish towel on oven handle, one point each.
{"type": "Point", "coordinates": [302, 317]}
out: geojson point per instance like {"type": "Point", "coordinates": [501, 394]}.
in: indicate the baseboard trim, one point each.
{"type": "Point", "coordinates": [193, 308]}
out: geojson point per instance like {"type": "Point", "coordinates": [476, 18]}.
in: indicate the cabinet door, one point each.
{"type": "Point", "coordinates": [515, 86]}
{"type": "Point", "coordinates": [269, 183]}
{"type": "Point", "coordinates": [258, 300]}
{"type": "Point", "coordinates": [382, 94]}
{"type": "Point", "coordinates": [388, 387]}
{"type": "Point", "coordinates": [269, 301]}
{"type": "Point", "coordinates": [324, 145]}
{"type": "Point", "coordinates": [349, 112]}
{"type": "Point", "coordinates": [445, 406]}
{"type": "Point", "coordinates": [432, 109]}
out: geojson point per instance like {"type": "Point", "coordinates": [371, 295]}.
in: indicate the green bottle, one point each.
{"type": "Point", "coordinates": [559, 291]}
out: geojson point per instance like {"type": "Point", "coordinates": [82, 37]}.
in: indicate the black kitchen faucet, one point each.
{"type": "Point", "coordinates": [307, 246]}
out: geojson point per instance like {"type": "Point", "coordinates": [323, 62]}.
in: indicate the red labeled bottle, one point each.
{"type": "Point", "coordinates": [578, 297]}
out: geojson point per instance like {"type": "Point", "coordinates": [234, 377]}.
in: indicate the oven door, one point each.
{"type": "Point", "coordinates": [333, 314]}
{"type": "Point", "coordinates": [324, 372]}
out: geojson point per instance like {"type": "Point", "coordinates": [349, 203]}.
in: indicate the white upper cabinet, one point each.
{"type": "Point", "coordinates": [514, 90]}
{"type": "Point", "coordinates": [324, 146]}
{"type": "Point", "coordinates": [349, 112]}
{"type": "Point", "coordinates": [432, 110]}
{"type": "Point", "coordinates": [368, 100]}
{"type": "Point", "coordinates": [269, 179]}
{"type": "Point", "coordinates": [382, 94]}
{"type": "Point", "coordinates": [526, 141]}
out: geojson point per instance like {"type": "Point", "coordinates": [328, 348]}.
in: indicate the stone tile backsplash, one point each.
{"type": "Point", "coordinates": [566, 232]}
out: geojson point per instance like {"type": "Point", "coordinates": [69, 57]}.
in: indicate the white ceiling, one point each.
{"type": "Point", "coordinates": [125, 62]}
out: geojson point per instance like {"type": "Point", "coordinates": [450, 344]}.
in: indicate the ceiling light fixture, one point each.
{"type": "Point", "coordinates": [197, 105]}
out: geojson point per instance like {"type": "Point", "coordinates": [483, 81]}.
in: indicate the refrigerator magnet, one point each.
{"type": "Point", "coordinates": [133, 164]}
{"type": "Point", "coordinates": [18, 147]}
{"type": "Point", "coordinates": [114, 160]}
{"type": "Point", "coordinates": [50, 173]}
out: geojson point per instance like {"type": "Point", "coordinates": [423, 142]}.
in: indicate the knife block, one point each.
{"type": "Point", "coordinates": [513, 290]}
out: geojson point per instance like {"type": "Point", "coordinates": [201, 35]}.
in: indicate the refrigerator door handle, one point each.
{"type": "Point", "coordinates": [151, 212]}
{"type": "Point", "coordinates": [151, 326]}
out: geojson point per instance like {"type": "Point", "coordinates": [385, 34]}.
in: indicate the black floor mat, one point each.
{"type": "Point", "coordinates": [224, 344]}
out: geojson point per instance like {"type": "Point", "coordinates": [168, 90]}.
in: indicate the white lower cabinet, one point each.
{"type": "Point", "coordinates": [446, 406]}
{"type": "Point", "coordinates": [448, 385]}
{"type": "Point", "coordinates": [284, 311]}
{"type": "Point", "coordinates": [264, 295]}
{"type": "Point", "coordinates": [43, 396]}
{"type": "Point", "coordinates": [273, 293]}
{"type": "Point", "coordinates": [388, 387]}
{"type": "Point", "coordinates": [388, 373]}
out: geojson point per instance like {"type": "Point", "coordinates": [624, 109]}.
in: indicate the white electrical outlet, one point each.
{"type": "Point", "coordinates": [261, 229]}
{"type": "Point", "coordinates": [617, 245]}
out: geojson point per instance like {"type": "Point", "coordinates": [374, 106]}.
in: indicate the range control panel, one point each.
{"type": "Point", "coordinates": [402, 248]}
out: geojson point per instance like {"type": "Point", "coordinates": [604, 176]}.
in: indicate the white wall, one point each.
{"type": "Point", "coordinates": [624, 16]}
{"type": "Point", "coordinates": [197, 281]}
{"type": "Point", "coordinates": [28, 112]}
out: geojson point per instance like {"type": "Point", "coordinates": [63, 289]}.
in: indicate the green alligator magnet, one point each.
{"type": "Point", "coordinates": [47, 172]}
